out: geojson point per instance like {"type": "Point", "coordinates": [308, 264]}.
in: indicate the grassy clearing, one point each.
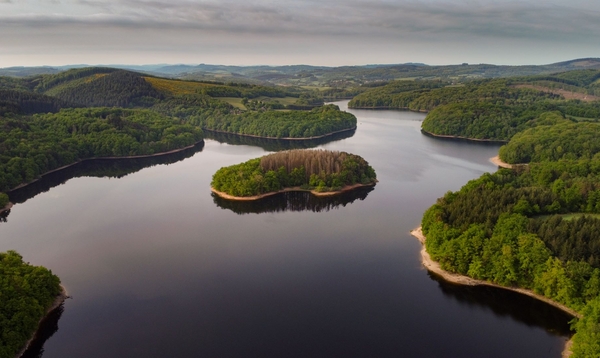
{"type": "Point", "coordinates": [237, 102]}
{"type": "Point", "coordinates": [234, 101]}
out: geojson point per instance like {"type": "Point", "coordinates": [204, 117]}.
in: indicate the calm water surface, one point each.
{"type": "Point", "coordinates": [158, 267]}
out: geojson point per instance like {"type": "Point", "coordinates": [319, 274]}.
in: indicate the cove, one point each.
{"type": "Point", "coordinates": [158, 267]}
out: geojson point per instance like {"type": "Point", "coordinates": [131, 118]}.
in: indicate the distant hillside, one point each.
{"type": "Point", "coordinates": [322, 76]}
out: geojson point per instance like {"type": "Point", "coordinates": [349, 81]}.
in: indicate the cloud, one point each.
{"type": "Point", "coordinates": [350, 18]}
{"type": "Point", "coordinates": [268, 23]}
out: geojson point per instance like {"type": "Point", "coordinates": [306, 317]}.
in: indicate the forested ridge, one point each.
{"type": "Point", "coordinates": [318, 170]}
{"type": "Point", "coordinates": [536, 226]}
{"type": "Point", "coordinates": [493, 109]}
{"type": "Point", "coordinates": [26, 293]}
{"type": "Point", "coordinates": [41, 128]}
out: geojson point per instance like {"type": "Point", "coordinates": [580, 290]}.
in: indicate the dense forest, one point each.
{"type": "Point", "coordinates": [490, 109]}
{"type": "Point", "coordinates": [48, 121]}
{"type": "Point", "coordinates": [31, 146]}
{"type": "Point", "coordinates": [536, 226]}
{"type": "Point", "coordinates": [565, 140]}
{"type": "Point", "coordinates": [317, 170]}
{"type": "Point", "coordinates": [280, 124]}
{"type": "Point", "coordinates": [27, 292]}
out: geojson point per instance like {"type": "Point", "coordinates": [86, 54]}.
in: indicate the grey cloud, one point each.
{"type": "Point", "coordinates": [351, 18]}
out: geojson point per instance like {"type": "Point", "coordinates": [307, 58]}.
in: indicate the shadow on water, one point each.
{"type": "Point", "coordinates": [100, 168]}
{"type": "Point", "coordinates": [292, 201]}
{"type": "Point", "coordinates": [275, 145]}
{"type": "Point", "coordinates": [48, 327]}
{"type": "Point", "coordinates": [505, 303]}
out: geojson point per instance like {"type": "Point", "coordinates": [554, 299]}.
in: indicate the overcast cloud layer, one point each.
{"type": "Point", "coordinates": [325, 32]}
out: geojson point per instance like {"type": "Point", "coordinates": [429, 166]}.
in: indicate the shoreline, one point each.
{"type": "Point", "coordinates": [287, 190]}
{"type": "Point", "coordinates": [434, 267]}
{"type": "Point", "coordinates": [107, 158]}
{"type": "Point", "coordinates": [7, 207]}
{"type": "Point", "coordinates": [496, 160]}
{"type": "Point", "coordinates": [58, 301]}
{"type": "Point", "coordinates": [392, 108]}
{"type": "Point", "coordinates": [463, 138]}
{"type": "Point", "coordinates": [283, 138]}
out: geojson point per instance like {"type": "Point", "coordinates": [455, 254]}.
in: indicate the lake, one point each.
{"type": "Point", "coordinates": [159, 267]}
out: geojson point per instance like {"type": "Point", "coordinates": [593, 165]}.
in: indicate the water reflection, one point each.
{"type": "Point", "coordinates": [48, 327]}
{"type": "Point", "coordinates": [292, 201]}
{"type": "Point", "coordinates": [505, 303]}
{"type": "Point", "coordinates": [275, 145]}
{"type": "Point", "coordinates": [101, 168]}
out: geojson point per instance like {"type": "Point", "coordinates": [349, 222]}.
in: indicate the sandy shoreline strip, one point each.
{"type": "Point", "coordinates": [434, 267]}
{"type": "Point", "coordinates": [496, 160]}
{"type": "Point", "coordinates": [316, 193]}
{"type": "Point", "coordinates": [59, 300]}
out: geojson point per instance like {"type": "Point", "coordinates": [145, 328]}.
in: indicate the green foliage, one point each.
{"type": "Point", "coordinates": [311, 169]}
{"type": "Point", "coordinates": [3, 200]}
{"type": "Point", "coordinates": [279, 124]}
{"type": "Point", "coordinates": [489, 109]}
{"type": "Point", "coordinates": [25, 293]}
{"type": "Point", "coordinates": [30, 147]}
{"type": "Point", "coordinates": [501, 228]}
{"type": "Point", "coordinates": [118, 88]}
{"type": "Point", "coordinates": [46, 82]}
{"type": "Point", "coordinates": [565, 140]}
{"type": "Point", "coordinates": [21, 102]}
{"type": "Point", "coordinates": [586, 342]}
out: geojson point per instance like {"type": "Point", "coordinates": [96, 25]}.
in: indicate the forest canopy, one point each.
{"type": "Point", "coordinates": [318, 170]}
{"type": "Point", "coordinates": [26, 293]}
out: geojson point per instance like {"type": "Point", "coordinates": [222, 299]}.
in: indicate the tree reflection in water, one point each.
{"type": "Point", "coordinates": [275, 145]}
{"type": "Point", "coordinates": [292, 201]}
{"type": "Point", "coordinates": [505, 303]}
{"type": "Point", "coordinates": [48, 327]}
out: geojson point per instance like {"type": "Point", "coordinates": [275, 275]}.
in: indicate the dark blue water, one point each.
{"type": "Point", "coordinates": [158, 267]}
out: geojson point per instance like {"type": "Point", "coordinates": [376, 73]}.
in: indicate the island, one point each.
{"type": "Point", "coordinates": [322, 172]}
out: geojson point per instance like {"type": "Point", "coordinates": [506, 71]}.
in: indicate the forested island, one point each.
{"type": "Point", "coordinates": [318, 171]}
{"type": "Point", "coordinates": [27, 294]}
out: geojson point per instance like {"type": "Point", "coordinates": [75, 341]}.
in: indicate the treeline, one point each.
{"type": "Point", "coordinates": [241, 90]}
{"type": "Point", "coordinates": [45, 82]}
{"type": "Point", "coordinates": [26, 293]}
{"type": "Point", "coordinates": [32, 146]}
{"type": "Point", "coordinates": [20, 102]}
{"type": "Point", "coordinates": [115, 89]}
{"type": "Point", "coordinates": [279, 124]}
{"type": "Point", "coordinates": [565, 140]}
{"type": "Point", "coordinates": [309, 169]}
{"type": "Point", "coordinates": [488, 109]}
{"type": "Point", "coordinates": [535, 227]}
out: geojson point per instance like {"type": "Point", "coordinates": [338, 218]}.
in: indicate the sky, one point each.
{"type": "Point", "coordinates": [287, 32]}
